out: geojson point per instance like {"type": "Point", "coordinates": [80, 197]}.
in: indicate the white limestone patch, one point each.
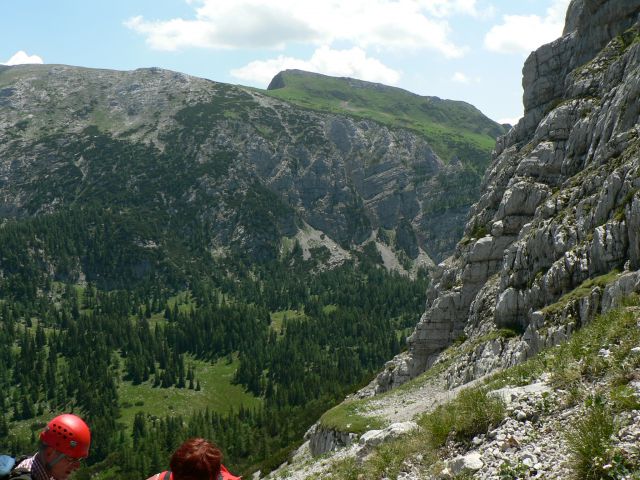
{"type": "Point", "coordinates": [309, 238]}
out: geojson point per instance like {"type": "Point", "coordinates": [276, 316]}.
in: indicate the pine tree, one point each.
{"type": "Point", "coordinates": [4, 427]}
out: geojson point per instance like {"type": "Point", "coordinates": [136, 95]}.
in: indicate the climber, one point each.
{"type": "Point", "coordinates": [64, 443]}
{"type": "Point", "coordinates": [196, 459]}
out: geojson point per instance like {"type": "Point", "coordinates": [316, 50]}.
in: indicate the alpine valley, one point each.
{"type": "Point", "coordinates": [182, 257]}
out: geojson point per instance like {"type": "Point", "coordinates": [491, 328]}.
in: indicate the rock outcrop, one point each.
{"type": "Point", "coordinates": [322, 440]}
{"type": "Point", "coordinates": [554, 238]}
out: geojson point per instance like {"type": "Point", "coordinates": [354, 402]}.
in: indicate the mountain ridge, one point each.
{"type": "Point", "coordinates": [148, 107]}
{"type": "Point", "coordinates": [278, 81]}
{"type": "Point", "coordinates": [391, 106]}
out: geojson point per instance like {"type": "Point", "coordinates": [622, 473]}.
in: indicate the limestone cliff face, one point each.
{"type": "Point", "coordinates": [560, 204]}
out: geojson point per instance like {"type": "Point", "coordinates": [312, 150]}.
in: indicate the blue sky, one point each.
{"type": "Point", "coordinates": [471, 50]}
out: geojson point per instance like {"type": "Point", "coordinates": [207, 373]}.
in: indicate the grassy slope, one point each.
{"type": "Point", "coordinates": [575, 367]}
{"type": "Point", "coordinates": [217, 393]}
{"type": "Point", "coordinates": [451, 127]}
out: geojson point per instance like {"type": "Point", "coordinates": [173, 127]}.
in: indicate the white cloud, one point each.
{"type": "Point", "coordinates": [353, 62]}
{"type": "Point", "coordinates": [448, 8]}
{"type": "Point", "coordinates": [383, 24]}
{"type": "Point", "coordinates": [510, 120]}
{"type": "Point", "coordinates": [21, 57]}
{"type": "Point", "coordinates": [462, 78]}
{"type": "Point", "coordinates": [525, 33]}
{"type": "Point", "coordinates": [459, 77]}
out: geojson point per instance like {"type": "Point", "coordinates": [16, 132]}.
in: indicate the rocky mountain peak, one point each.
{"type": "Point", "coordinates": [590, 25]}
{"type": "Point", "coordinates": [559, 203]}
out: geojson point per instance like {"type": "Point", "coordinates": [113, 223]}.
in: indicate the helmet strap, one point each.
{"type": "Point", "coordinates": [43, 453]}
{"type": "Point", "coordinates": [53, 462]}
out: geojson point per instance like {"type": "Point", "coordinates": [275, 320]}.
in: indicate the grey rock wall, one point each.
{"type": "Point", "coordinates": [322, 440]}
{"type": "Point", "coordinates": [560, 203]}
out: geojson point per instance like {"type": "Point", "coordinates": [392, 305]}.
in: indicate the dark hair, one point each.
{"type": "Point", "coordinates": [196, 459]}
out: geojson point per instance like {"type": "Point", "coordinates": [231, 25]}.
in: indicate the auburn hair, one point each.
{"type": "Point", "coordinates": [196, 459]}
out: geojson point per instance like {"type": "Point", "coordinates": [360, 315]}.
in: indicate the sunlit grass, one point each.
{"type": "Point", "coordinates": [448, 125]}
{"type": "Point", "coordinates": [277, 318]}
{"type": "Point", "coordinates": [351, 416]}
{"type": "Point", "coordinates": [217, 393]}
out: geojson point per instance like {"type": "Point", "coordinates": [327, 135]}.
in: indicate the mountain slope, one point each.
{"type": "Point", "coordinates": [552, 243]}
{"type": "Point", "coordinates": [452, 128]}
{"type": "Point", "coordinates": [246, 169]}
{"type": "Point", "coordinates": [560, 201]}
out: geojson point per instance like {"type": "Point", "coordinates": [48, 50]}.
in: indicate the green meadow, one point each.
{"type": "Point", "coordinates": [217, 392]}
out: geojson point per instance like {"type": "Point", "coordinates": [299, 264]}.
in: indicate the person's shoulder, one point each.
{"type": "Point", "coordinates": [166, 475]}
{"type": "Point", "coordinates": [25, 461]}
{"type": "Point", "coordinates": [226, 474]}
{"type": "Point", "coordinates": [22, 469]}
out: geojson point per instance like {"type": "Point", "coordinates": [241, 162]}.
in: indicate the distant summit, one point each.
{"type": "Point", "coordinates": [450, 126]}
{"type": "Point", "coordinates": [281, 78]}
{"type": "Point", "coordinates": [278, 81]}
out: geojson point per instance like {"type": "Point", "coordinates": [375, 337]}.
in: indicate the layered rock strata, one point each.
{"type": "Point", "coordinates": [560, 204]}
{"type": "Point", "coordinates": [348, 178]}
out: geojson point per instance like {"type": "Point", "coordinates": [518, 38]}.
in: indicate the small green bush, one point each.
{"type": "Point", "coordinates": [567, 377]}
{"type": "Point", "coordinates": [589, 441]}
{"type": "Point", "coordinates": [623, 398]}
{"type": "Point", "coordinates": [345, 469]}
{"type": "Point", "coordinates": [479, 231]}
{"type": "Point", "coordinates": [512, 471]}
{"type": "Point", "coordinates": [471, 413]}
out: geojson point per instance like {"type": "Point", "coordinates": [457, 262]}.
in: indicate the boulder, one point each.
{"type": "Point", "coordinates": [395, 430]}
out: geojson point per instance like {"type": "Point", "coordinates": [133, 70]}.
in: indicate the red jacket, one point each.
{"type": "Point", "coordinates": [224, 475]}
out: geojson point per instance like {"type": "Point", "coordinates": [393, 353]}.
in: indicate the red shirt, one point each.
{"type": "Point", "coordinates": [224, 475]}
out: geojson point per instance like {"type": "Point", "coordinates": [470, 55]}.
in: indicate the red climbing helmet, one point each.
{"type": "Point", "coordinates": [67, 434]}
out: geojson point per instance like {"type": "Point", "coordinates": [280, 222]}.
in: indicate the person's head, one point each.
{"type": "Point", "coordinates": [64, 443]}
{"type": "Point", "coordinates": [196, 459]}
